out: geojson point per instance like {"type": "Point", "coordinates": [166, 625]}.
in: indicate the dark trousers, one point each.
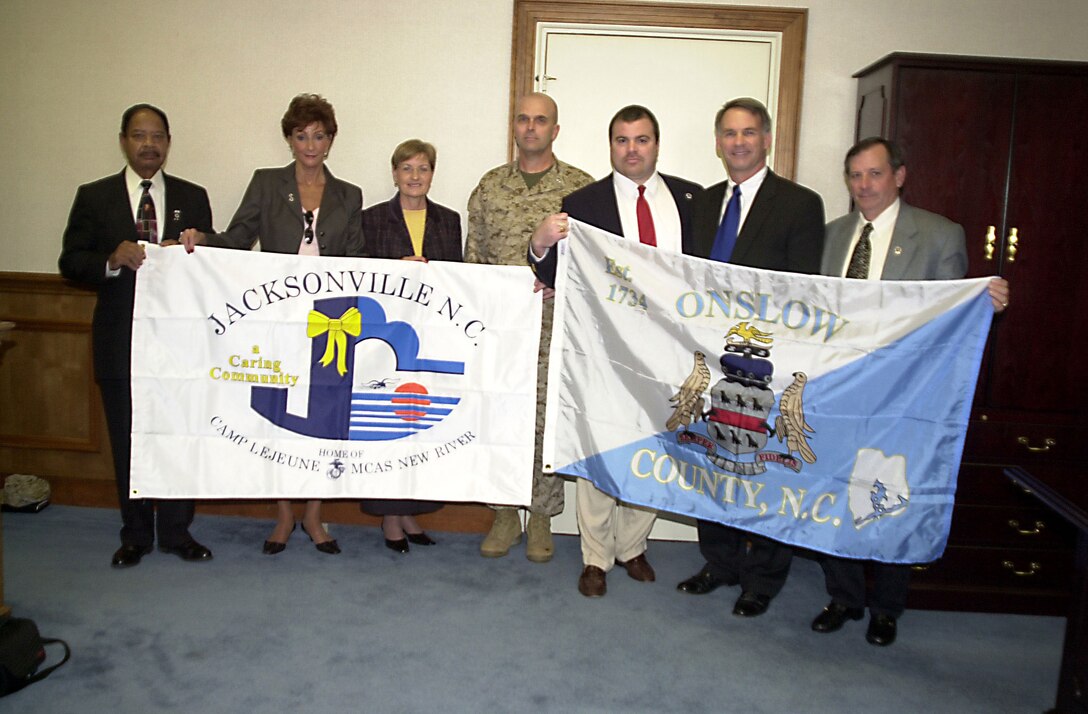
{"type": "Point", "coordinates": [846, 584]}
{"type": "Point", "coordinates": [138, 514]}
{"type": "Point", "coordinates": [760, 569]}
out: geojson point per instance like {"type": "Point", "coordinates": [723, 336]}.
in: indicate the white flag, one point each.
{"type": "Point", "coordinates": [260, 375]}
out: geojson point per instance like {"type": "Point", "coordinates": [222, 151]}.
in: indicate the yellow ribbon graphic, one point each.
{"type": "Point", "coordinates": [350, 323]}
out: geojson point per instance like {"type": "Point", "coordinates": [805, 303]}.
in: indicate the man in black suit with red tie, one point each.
{"type": "Point", "coordinates": [637, 202]}
{"type": "Point", "coordinates": [102, 248]}
{"type": "Point", "coordinates": [760, 220]}
{"type": "Point", "coordinates": [634, 163]}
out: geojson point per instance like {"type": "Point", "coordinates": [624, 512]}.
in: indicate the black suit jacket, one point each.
{"type": "Point", "coordinates": [596, 205]}
{"type": "Point", "coordinates": [784, 229]}
{"type": "Point", "coordinates": [385, 234]}
{"type": "Point", "coordinates": [101, 218]}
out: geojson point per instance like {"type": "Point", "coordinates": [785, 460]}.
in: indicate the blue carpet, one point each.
{"type": "Point", "coordinates": [442, 629]}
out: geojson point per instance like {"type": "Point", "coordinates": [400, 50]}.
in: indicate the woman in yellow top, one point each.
{"type": "Point", "coordinates": [410, 227]}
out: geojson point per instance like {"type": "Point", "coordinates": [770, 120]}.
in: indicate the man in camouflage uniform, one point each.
{"type": "Point", "coordinates": [503, 210]}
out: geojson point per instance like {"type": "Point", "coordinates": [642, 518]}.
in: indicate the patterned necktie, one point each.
{"type": "Point", "coordinates": [863, 251]}
{"type": "Point", "coordinates": [147, 226]}
{"type": "Point", "coordinates": [726, 239]}
{"type": "Point", "coordinates": [646, 232]}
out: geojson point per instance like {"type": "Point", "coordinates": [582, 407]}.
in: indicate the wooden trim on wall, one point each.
{"type": "Point", "coordinates": [791, 22]}
{"type": "Point", "coordinates": [55, 315]}
{"type": "Point", "coordinates": [93, 440]}
{"type": "Point", "coordinates": [100, 493]}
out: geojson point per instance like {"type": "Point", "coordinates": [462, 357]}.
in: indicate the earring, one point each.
{"type": "Point", "coordinates": [326, 154]}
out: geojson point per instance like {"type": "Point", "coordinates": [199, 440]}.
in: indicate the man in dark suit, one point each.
{"type": "Point", "coordinates": [102, 247]}
{"type": "Point", "coordinates": [885, 239]}
{"type": "Point", "coordinates": [759, 220]}
{"type": "Point", "coordinates": [637, 202]}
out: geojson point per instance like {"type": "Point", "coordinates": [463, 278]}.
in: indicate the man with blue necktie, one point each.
{"type": "Point", "coordinates": [760, 220]}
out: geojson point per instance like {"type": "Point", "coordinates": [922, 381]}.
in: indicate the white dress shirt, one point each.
{"type": "Point", "coordinates": [158, 195]}
{"type": "Point", "coordinates": [880, 238]}
{"type": "Point", "coordinates": [748, 191]}
{"type": "Point", "coordinates": [662, 207]}
{"type": "Point", "coordinates": [135, 193]}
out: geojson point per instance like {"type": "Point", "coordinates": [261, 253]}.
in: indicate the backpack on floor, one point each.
{"type": "Point", "coordinates": [22, 651]}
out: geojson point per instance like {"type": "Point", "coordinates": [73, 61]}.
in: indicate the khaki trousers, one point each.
{"type": "Point", "coordinates": [610, 530]}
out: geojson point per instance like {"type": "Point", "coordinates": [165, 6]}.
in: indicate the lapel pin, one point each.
{"type": "Point", "coordinates": [177, 216]}
{"type": "Point", "coordinates": [291, 197]}
{"type": "Point", "coordinates": [897, 250]}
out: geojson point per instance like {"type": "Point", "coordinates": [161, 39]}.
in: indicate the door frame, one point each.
{"type": "Point", "coordinates": [791, 22]}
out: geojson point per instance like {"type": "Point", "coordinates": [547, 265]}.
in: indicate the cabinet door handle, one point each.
{"type": "Point", "coordinates": [1010, 250]}
{"type": "Point", "coordinates": [1047, 443]}
{"type": "Point", "coordinates": [1035, 567]}
{"type": "Point", "coordinates": [991, 242]}
{"type": "Point", "coordinates": [1015, 525]}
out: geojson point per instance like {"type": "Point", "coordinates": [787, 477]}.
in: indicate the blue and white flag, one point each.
{"type": "Point", "coordinates": [822, 412]}
{"type": "Point", "coordinates": [259, 375]}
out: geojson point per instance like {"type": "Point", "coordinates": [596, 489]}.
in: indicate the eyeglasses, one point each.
{"type": "Point", "coordinates": [308, 234]}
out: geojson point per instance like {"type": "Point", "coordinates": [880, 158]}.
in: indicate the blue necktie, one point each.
{"type": "Point", "coordinates": [726, 239]}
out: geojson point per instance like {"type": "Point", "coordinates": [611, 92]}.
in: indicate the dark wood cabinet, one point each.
{"type": "Point", "coordinates": [1000, 146]}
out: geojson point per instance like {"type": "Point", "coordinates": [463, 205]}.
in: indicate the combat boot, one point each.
{"type": "Point", "coordinates": [505, 532]}
{"type": "Point", "coordinates": [540, 547]}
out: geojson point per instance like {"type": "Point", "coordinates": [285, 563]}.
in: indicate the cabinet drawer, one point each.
{"type": "Point", "coordinates": [1010, 526]}
{"type": "Point", "coordinates": [990, 441]}
{"type": "Point", "coordinates": [987, 485]}
{"type": "Point", "coordinates": [999, 568]}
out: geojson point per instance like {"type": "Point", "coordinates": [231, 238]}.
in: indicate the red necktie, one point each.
{"type": "Point", "coordinates": [646, 232]}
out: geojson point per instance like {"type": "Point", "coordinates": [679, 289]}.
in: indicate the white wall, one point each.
{"type": "Point", "coordinates": [437, 69]}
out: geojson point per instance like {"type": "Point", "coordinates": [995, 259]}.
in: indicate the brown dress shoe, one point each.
{"type": "Point", "coordinates": [591, 583]}
{"type": "Point", "coordinates": [639, 569]}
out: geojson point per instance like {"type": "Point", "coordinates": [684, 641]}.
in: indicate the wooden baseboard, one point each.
{"type": "Point", "coordinates": [101, 493]}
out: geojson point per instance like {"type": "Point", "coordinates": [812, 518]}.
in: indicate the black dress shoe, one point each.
{"type": "Point", "coordinates": [129, 555]}
{"type": "Point", "coordinates": [702, 582]}
{"type": "Point", "coordinates": [329, 547]}
{"type": "Point", "coordinates": [273, 547]}
{"type": "Point", "coordinates": [400, 546]}
{"type": "Point", "coordinates": [835, 616]}
{"type": "Point", "coordinates": [882, 630]}
{"type": "Point", "coordinates": [751, 605]}
{"type": "Point", "coordinates": [420, 538]}
{"type": "Point", "coordinates": [191, 551]}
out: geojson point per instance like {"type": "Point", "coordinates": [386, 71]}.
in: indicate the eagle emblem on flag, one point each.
{"type": "Point", "coordinates": [741, 402]}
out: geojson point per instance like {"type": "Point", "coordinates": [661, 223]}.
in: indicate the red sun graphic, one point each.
{"type": "Point", "coordinates": [415, 396]}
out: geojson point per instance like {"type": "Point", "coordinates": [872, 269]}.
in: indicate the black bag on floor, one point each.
{"type": "Point", "coordinates": [22, 651]}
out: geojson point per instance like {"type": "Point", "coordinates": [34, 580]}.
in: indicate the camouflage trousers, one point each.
{"type": "Point", "coordinates": [547, 488]}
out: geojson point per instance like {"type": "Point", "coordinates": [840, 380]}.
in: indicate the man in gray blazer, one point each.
{"type": "Point", "coordinates": [885, 239]}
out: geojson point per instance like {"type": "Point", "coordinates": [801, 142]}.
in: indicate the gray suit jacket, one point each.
{"type": "Point", "coordinates": [271, 210]}
{"type": "Point", "coordinates": [924, 246]}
